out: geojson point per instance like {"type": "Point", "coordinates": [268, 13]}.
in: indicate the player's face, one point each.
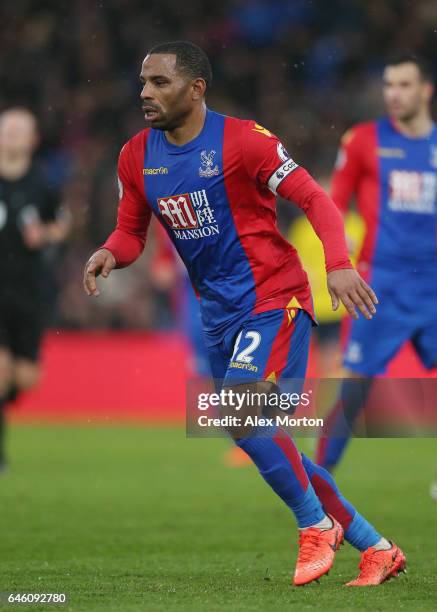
{"type": "Point", "coordinates": [405, 91]}
{"type": "Point", "coordinates": [18, 135]}
{"type": "Point", "coordinates": [166, 95]}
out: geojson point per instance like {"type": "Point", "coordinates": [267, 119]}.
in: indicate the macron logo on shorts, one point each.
{"type": "Point", "coordinates": [280, 174]}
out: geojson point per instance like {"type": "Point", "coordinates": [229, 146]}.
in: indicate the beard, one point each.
{"type": "Point", "coordinates": [178, 109]}
{"type": "Point", "coordinates": [169, 122]}
{"type": "Point", "coordinates": [406, 114]}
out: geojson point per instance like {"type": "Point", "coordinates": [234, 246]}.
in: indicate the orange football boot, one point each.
{"type": "Point", "coordinates": [317, 548]}
{"type": "Point", "coordinates": [376, 566]}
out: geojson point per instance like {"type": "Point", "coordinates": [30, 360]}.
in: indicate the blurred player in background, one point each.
{"type": "Point", "coordinates": [390, 165]}
{"type": "Point", "coordinates": [211, 181]}
{"type": "Point", "coordinates": [29, 220]}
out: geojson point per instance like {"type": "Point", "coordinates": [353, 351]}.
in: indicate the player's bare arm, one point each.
{"type": "Point", "coordinates": [102, 262]}
{"type": "Point", "coordinates": [348, 287]}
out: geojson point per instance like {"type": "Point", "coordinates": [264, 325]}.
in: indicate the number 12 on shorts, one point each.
{"type": "Point", "coordinates": [245, 355]}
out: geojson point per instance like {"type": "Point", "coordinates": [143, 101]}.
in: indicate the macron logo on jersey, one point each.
{"type": "Point", "coordinates": [152, 171]}
{"type": "Point", "coordinates": [189, 215]}
{"type": "Point", "coordinates": [259, 129]}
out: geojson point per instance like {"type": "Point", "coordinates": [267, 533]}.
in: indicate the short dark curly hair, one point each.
{"type": "Point", "coordinates": [190, 59]}
{"type": "Point", "coordinates": [409, 57]}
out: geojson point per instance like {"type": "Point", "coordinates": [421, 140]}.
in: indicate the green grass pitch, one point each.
{"type": "Point", "coordinates": [133, 519]}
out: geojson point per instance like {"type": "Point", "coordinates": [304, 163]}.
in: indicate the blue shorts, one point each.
{"type": "Point", "coordinates": [266, 346]}
{"type": "Point", "coordinates": [405, 312]}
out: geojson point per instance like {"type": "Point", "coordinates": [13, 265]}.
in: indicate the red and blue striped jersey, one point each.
{"type": "Point", "coordinates": [216, 198]}
{"type": "Point", "coordinates": [394, 178]}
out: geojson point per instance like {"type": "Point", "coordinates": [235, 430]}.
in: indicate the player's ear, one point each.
{"type": "Point", "coordinates": [36, 139]}
{"type": "Point", "coordinates": [429, 90]}
{"type": "Point", "coordinates": [198, 89]}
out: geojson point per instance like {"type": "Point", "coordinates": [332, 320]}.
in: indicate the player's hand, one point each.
{"type": "Point", "coordinates": [348, 287]}
{"type": "Point", "coordinates": [102, 262]}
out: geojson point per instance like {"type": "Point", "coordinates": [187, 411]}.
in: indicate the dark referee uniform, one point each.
{"type": "Point", "coordinates": [21, 268]}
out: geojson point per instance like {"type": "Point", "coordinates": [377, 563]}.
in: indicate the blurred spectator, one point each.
{"type": "Point", "coordinates": [303, 68]}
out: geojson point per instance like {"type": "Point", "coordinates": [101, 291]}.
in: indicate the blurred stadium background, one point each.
{"type": "Point", "coordinates": [305, 69]}
{"type": "Point", "coordinates": [82, 507]}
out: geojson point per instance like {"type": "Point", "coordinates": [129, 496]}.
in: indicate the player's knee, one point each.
{"type": "Point", "coordinates": [243, 405]}
{"type": "Point", "coordinates": [27, 374]}
{"type": "Point", "coordinates": [6, 371]}
{"type": "Point", "coordinates": [239, 431]}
